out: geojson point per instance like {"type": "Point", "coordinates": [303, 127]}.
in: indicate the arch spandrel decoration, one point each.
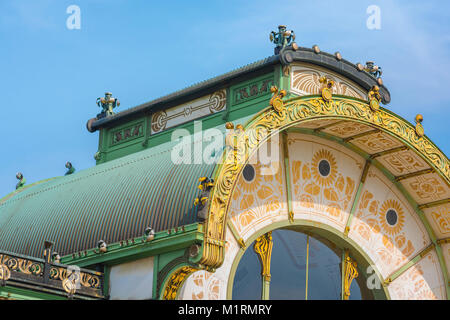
{"type": "Point", "coordinates": [292, 112]}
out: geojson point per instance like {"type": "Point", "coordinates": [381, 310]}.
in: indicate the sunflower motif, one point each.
{"type": "Point", "coordinates": [391, 217]}
{"type": "Point", "coordinates": [324, 169]}
{"type": "Point", "coordinates": [251, 179]}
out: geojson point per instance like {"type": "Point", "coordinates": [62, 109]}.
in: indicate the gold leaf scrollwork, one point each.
{"type": "Point", "coordinates": [23, 265]}
{"type": "Point", "coordinates": [276, 101]}
{"type": "Point", "coordinates": [374, 98]}
{"type": "Point", "coordinates": [263, 247]}
{"type": "Point", "coordinates": [5, 274]}
{"type": "Point", "coordinates": [327, 88]}
{"type": "Point", "coordinates": [175, 282]}
{"type": "Point", "coordinates": [351, 273]}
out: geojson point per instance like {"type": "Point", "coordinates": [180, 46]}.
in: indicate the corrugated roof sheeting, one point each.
{"type": "Point", "coordinates": [112, 201]}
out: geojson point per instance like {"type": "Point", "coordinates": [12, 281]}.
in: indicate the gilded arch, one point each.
{"type": "Point", "coordinates": [279, 117]}
{"type": "Point", "coordinates": [271, 121]}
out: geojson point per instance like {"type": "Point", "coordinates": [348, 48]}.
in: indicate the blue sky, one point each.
{"type": "Point", "coordinates": [139, 50]}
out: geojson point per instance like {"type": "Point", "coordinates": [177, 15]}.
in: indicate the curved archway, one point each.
{"type": "Point", "coordinates": [329, 237]}
{"type": "Point", "coordinates": [295, 111]}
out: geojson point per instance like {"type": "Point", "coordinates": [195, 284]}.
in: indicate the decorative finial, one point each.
{"type": "Point", "coordinates": [373, 69]}
{"type": "Point", "coordinates": [70, 168]}
{"type": "Point", "coordinates": [283, 38]}
{"type": "Point", "coordinates": [327, 88]}
{"type": "Point", "coordinates": [21, 179]}
{"type": "Point", "coordinates": [374, 98]}
{"type": "Point", "coordinates": [108, 103]}
{"type": "Point", "coordinates": [316, 48]}
{"type": "Point", "coordinates": [419, 127]}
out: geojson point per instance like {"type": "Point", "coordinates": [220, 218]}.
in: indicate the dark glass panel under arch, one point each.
{"type": "Point", "coordinates": [247, 283]}
{"type": "Point", "coordinates": [324, 281]}
{"type": "Point", "coordinates": [355, 291]}
{"type": "Point", "coordinates": [288, 265]}
{"type": "Point", "coordinates": [288, 271]}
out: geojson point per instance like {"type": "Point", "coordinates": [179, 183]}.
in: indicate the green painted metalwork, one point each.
{"type": "Point", "coordinates": [265, 293]}
{"type": "Point", "coordinates": [282, 38]}
{"type": "Point", "coordinates": [357, 196]}
{"type": "Point", "coordinates": [250, 90]}
{"type": "Point", "coordinates": [112, 201]}
{"type": "Point", "coordinates": [137, 248]}
{"type": "Point", "coordinates": [108, 103]}
{"type": "Point", "coordinates": [287, 175]}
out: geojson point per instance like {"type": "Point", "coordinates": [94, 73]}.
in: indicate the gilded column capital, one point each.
{"type": "Point", "coordinates": [263, 247]}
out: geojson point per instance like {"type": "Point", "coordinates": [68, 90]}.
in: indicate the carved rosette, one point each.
{"type": "Point", "coordinates": [271, 122]}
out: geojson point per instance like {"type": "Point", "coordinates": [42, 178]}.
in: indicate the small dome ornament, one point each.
{"type": "Point", "coordinates": [374, 98]}
{"type": "Point", "coordinates": [327, 88]}
{"type": "Point", "coordinates": [149, 233]}
{"type": "Point", "coordinates": [419, 127]}
{"type": "Point", "coordinates": [102, 246]}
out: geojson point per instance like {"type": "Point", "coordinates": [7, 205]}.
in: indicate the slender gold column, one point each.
{"type": "Point", "coordinates": [350, 272]}
{"type": "Point", "coordinates": [263, 247]}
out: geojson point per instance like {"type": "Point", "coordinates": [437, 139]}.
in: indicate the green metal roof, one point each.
{"type": "Point", "coordinates": [113, 201]}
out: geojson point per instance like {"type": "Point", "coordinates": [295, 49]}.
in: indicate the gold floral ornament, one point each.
{"type": "Point", "coordinates": [324, 168]}
{"type": "Point", "coordinates": [351, 273]}
{"type": "Point", "coordinates": [419, 127]}
{"type": "Point", "coordinates": [327, 88]}
{"type": "Point", "coordinates": [374, 98]}
{"type": "Point", "coordinates": [391, 217]}
{"type": "Point", "coordinates": [276, 101]}
{"type": "Point", "coordinates": [176, 281]}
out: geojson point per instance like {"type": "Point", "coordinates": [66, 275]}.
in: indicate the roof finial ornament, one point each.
{"type": "Point", "coordinates": [108, 103]}
{"type": "Point", "coordinates": [374, 70]}
{"type": "Point", "coordinates": [283, 38]}
{"type": "Point", "coordinates": [70, 168]}
{"type": "Point", "coordinates": [21, 179]}
{"type": "Point", "coordinates": [419, 127]}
